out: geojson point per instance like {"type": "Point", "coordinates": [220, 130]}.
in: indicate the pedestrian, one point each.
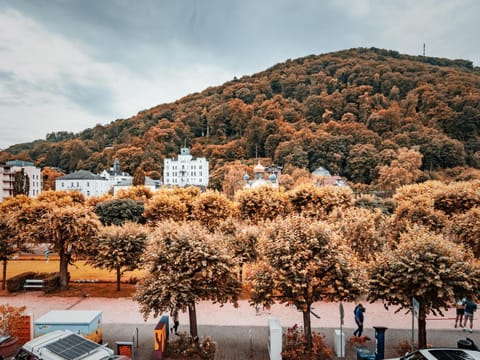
{"type": "Point", "coordinates": [470, 308]}
{"type": "Point", "coordinates": [460, 310]}
{"type": "Point", "coordinates": [359, 319]}
{"type": "Point", "coordinates": [176, 323]}
{"type": "Point", "coordinates": [47, 252]}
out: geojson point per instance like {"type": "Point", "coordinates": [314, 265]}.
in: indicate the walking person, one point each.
{"type": "Point", "coordinates": [460, 310]}
{"type": "Point", "coordinates": [176, 323]}
{"type": "Point", "coordinates": [470, 308]}
{"type": "Point", "coordinates": [359, 319]}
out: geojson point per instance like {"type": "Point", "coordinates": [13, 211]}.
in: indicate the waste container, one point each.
{"type": "Point", "coordinates": [466, 344]}
{"type": "Point", "coordinates": [364, 353]}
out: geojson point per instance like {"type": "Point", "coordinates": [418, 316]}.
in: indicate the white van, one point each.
{"type": "Point", "coordinates": [65, 345]}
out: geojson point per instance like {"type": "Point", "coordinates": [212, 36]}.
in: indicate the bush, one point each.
{"type": "Point", "coordinates": [295, 346]}
{"type": "Point", "coordinates": [186, 347]}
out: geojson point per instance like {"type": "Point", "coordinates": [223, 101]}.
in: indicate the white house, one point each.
{"type": "Point", "coordinates": [127, 184]}
{"type": "Point", "coordinates": [84, 181]}
{"type": "Point", "coordinates": [7, 178]}
{"type": "Point", "coordinates": [114, 175]}
{"type": "Point", "coordinates": [185, 170]}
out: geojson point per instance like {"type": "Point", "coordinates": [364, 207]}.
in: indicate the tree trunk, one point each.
{"type": "Point", "coordinates": [307, 327]}
{"type": "Point", "coordinates": [192, 315]}
{"type": "Point", "coordinates": [118, 278]}
{"type": "Point", "coordinates": [4, 277]}
{"type": "Point", "coordinates": [422, 329]}
{"type": "Point", "coordinates": [241, 272]}
{"type": "Point", "coordinates": [63, 270]}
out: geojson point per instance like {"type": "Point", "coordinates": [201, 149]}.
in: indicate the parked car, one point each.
{"type": "Point", "coordinates": [441, 354]}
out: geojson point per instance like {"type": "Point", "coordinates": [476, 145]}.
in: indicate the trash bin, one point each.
{"type": "Point", "coordinates": [466, 344]}
{"type": "Point", "coordinates": [364, 353]}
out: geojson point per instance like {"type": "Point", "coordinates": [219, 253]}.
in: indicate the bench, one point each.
{"type": "Point", "coordinates": [33, 284]}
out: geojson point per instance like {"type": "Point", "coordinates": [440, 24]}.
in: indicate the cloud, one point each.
{"type": "Point", "coordinates": [73, 64]}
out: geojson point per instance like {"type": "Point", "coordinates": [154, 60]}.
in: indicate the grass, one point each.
{"type": "Point", "coordinates": [85, 280]}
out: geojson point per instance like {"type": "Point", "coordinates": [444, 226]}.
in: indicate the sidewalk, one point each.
{"type": "Point", "coordinates": [240, 332]}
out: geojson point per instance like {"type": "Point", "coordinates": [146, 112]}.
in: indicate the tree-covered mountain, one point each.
{"type": "Point", "coordinates": [353, 112]}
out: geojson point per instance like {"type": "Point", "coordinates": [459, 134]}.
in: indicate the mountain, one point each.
{"type": "Point", "coordinates": [348, 111]}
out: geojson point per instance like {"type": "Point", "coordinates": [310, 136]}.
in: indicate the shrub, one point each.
{"type": "Point", "coordinates": [295, 346]}
{"type": "Point", "coordinates": [186, 347]}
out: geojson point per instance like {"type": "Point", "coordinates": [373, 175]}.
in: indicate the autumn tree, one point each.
{"type": "Point", "coordinates": [334, 197]}
{"type": "Point", "coordinates": [427, 267]}
{"type": "Point", "coordinates": [163, 206]}
{"type": "Point", "coordinates": [118, 211]}
{"type": "Point", "coordinates": [138, 177]}
{"type": "Point", "coordinates": [49, 174]}
{"type": "Point", "coordinates": [21, 183]}
{"type": "Point", "coordinates": [69, 230]}
{"type": "Point", "coordinates": [185, 265]}
{"type": "Point", "coordinates": [242, 242]}
{"type": "Point", "coordinates": [11, 242]}
{"type": "Point", "coordinates": [211, 208]}
{"type": "Point", "coordinates": [305, 199]}
{"type": "Point", "coordinates": [263, 203]}
{"type": "Point", "coordinates": [465, 228]}
{"type": "Point", "coordinates": [141, 193]}
{"type": "Point", "coordinates": [59, 219]}
{"type": "Point", "coordinates": [117, 248]}
{"type": "Point", "coordinates": [402, 171]}
{"type": "Point", "coordinates": [234, 179]}
{"type": "Point", "coordinates": [458, 198]}
{"type": "Point", "coordinates": [362, 229]}
{"type": "Point", "coordinates": [308, 264]}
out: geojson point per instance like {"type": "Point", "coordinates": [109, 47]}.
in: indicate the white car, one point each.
{"type": "Point", "coordinates": [441, 354]}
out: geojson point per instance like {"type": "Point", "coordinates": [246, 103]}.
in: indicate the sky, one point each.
{"type": "Point", "coordinates": [68, 65]}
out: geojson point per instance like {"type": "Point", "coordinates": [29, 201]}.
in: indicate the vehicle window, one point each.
{"type": "Point", "coordinates": [452, 354]}
{"type": "Point", "coordinates": [415, 356]}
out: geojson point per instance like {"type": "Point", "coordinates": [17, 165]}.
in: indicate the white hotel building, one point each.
{"type": "Point", "coordinates": [185, 170]}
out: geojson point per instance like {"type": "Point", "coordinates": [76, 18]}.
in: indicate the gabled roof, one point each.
{"type": "Point", "coordinates": [81, 175]}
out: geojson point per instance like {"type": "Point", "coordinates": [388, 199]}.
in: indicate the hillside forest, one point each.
{"type": "Point", "coordinates": [376, 117]}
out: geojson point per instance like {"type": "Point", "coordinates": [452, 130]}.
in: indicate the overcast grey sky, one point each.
{"type": "Point", "coordinates": [67, 65]}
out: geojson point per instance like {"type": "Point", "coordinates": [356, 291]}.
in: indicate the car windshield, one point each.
{"type": "Point", "coordinates": [451, 354]}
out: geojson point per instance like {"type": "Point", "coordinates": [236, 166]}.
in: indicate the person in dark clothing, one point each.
{"type": "Point", "coordinates": [470, 308]}
{"type": "Point", "coordinates": [359, 318]}
{"type": "Point", "coordinates": [174, 315]}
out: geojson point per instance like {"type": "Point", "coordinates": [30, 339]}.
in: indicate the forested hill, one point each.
{"type": "Point", "coordinates": [351, 112]}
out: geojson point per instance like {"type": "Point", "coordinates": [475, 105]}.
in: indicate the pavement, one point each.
{"type": "Point", "coordinates": [242, 333]}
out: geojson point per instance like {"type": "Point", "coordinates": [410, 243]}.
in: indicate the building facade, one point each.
{"type": "Point", "coordinates": [84, 181]}
{"type": "Point", "coordinates": [186, 170]}
{"type": "Point", "coordinates": [115, 175]}
{"type": "Point", "coordinates": [7, 178]}
{"type": "Point", "coordinates": [263, 176]}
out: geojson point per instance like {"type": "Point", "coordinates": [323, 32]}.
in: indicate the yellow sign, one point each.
{"type": "Point", "coordinates": [160, 338]}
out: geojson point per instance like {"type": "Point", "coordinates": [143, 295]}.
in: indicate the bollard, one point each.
{"type": "Point", "coordinates": [379, 342]}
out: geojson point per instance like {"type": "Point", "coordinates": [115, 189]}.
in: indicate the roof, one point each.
{"type": "Point", "coordinates": [81, 175]}
{"type": "Point", "coordinates": [68, 317]}
{"type": "Point", "coordinates": [321, 171]}
{"type": "Point", "coordinates": [19, 163]}
{"type": "Point", "coordinates": [259, 168]}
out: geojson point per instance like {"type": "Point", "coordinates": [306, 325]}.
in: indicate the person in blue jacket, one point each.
{"type": "Point", "coordinates": [359, 318]}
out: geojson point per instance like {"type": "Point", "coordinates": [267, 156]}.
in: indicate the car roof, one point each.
{"type": "Point", "coordinates": [450, 353]}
